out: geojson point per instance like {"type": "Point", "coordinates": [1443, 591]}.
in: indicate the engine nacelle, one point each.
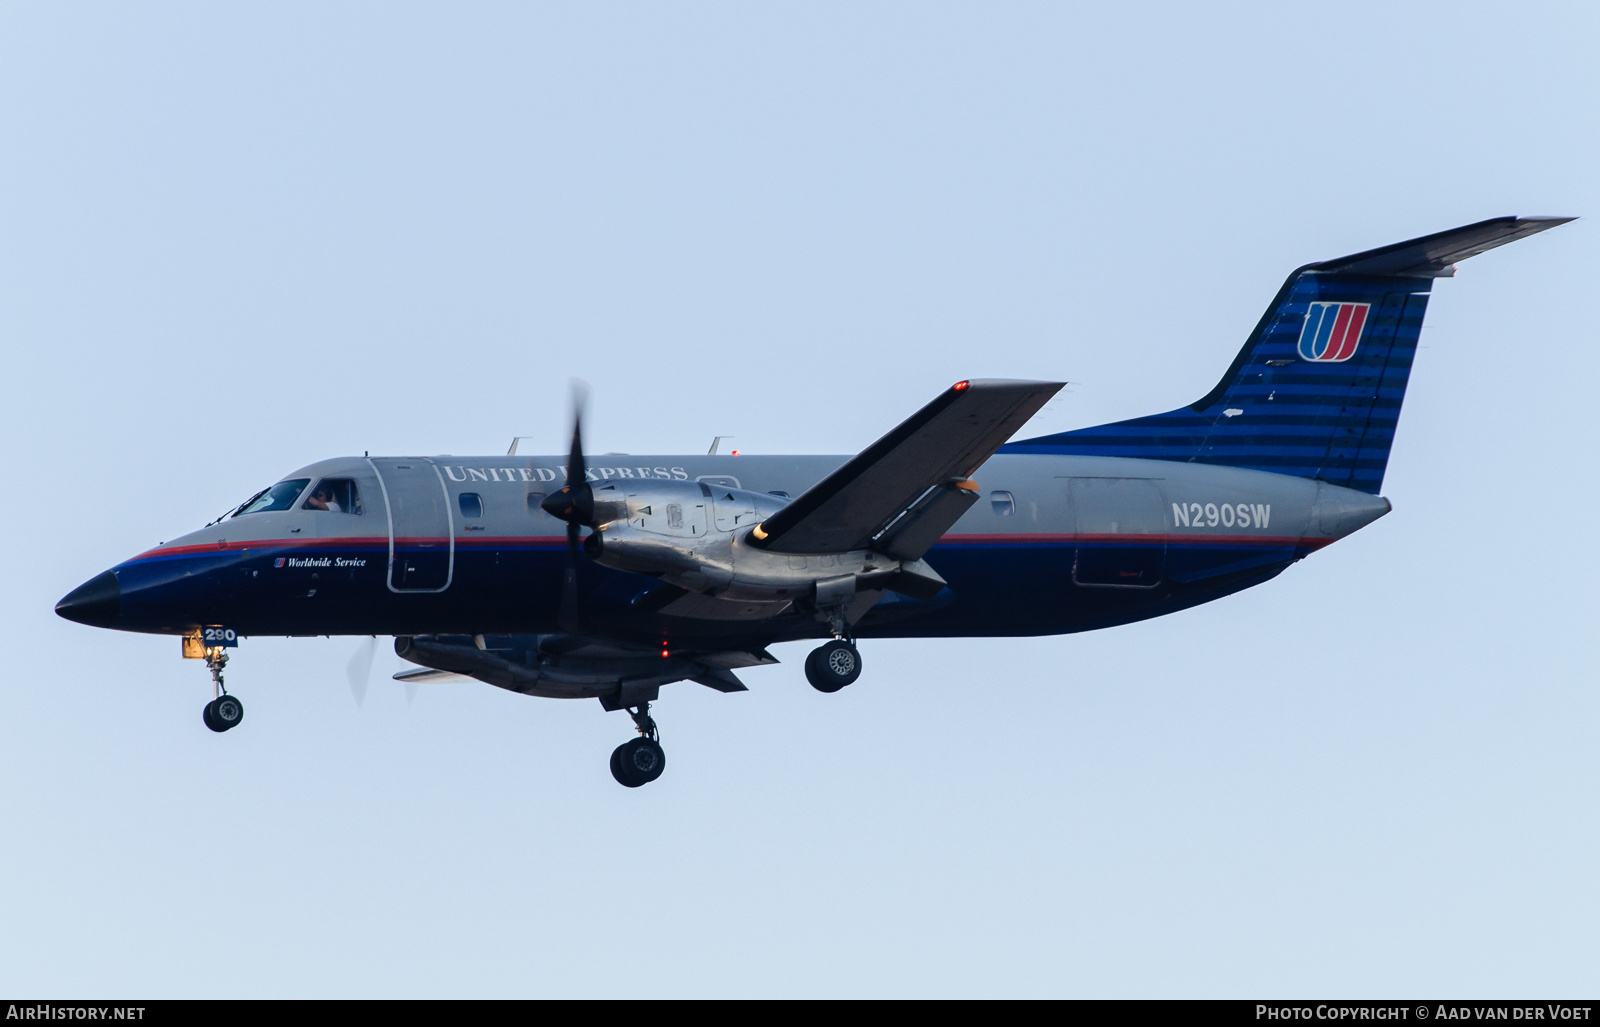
{"type": "Point", "coordinates": [696, 536]}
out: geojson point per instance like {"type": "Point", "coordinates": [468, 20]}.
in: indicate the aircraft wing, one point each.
{"type": "Point", "coordinates": [940, 445]}
{"type": "Point", "coordinates": [508, 664]}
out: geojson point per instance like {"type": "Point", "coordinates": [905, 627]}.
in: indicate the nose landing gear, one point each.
{"type": "Point", "coordinates": [224, 712]}
{"type": "Point", "coordinates": [640, 761]}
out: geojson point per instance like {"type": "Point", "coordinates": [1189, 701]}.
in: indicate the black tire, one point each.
{"type": "Point", "coordinates": [830, 667]}
{"type": "Point", "coordinates": [637, 762]}
{"type": "Point", "coordinates": [227, 711]}
{"type": "Point", "coordinates": [208, 715]}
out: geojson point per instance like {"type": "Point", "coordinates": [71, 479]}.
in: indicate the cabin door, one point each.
{"type": "Point", "coordinates": [421, 532]}
{"type": "Point", "coordinates": [1121, 530]}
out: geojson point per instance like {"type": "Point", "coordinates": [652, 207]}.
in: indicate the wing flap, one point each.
{"type": "Point", "coordinates": [735, 659]}
{"type": "Point", "coordinates": [915, 531]}
{"type": "Point", "coordinates": [721, 680]}
{"type": "Point", "coordinates": [945, 441]}
{"type": "Point", "coordinates": [417, 674]}
{"type": "Point", "coordinates": [701, 607]}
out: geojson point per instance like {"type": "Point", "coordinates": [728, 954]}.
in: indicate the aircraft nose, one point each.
{"type": "Point", "coordinates": [95, 602]}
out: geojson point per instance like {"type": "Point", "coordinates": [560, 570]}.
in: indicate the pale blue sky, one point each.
{"type": "Point", "coordinates": [237, 239]}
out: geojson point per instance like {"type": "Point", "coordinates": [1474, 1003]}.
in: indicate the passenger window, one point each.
{"type": "Point", "coordinates": [471, 505]}
{"type": "Point", "coordinates": [534, 499]}
{"type": "Point", "coordinates": [1004, 503]}
{"type": "Point", "coordinates": [335, 495]}
{"type": "Point", "coordinates": [279, 497]}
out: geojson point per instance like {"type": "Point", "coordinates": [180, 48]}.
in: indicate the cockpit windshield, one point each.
{"type": "Point", "coordinates": [279, 497]}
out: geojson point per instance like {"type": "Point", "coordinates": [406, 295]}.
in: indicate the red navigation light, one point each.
{"type": "Point", "coordinates": [736, 452]}
{"type": "Point", "coordinates": [961, 386]}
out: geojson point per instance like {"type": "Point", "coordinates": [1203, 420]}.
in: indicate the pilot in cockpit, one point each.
{"type": "Point", "coordinates": [334, 495]}
{"type": "Point", "coordinates": [322, 499]}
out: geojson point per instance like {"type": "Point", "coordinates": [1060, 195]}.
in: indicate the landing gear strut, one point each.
{"type": "Point", "coordinates": [225, 711]}
{"type": "Point", "coordinates": [838, 663]}
{"type": "Point", "coordinates": [640, 761]}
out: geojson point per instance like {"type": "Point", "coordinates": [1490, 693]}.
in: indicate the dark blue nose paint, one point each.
{"type": "Point", "coordinates": [95, 602]}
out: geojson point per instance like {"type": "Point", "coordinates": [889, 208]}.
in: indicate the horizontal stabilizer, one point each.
{"type": "Point", "coordinates": [1432, 256]}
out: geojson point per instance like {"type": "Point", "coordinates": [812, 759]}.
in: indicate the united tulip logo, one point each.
{"type": "Point", "coordinates": [1332, 331]}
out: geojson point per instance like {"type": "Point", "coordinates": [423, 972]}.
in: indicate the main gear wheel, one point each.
{"type": "Point", "coordinates": [832, 666]}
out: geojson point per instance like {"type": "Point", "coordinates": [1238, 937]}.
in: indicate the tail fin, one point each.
{"type": "Point", "coordinates": [1316, 391]}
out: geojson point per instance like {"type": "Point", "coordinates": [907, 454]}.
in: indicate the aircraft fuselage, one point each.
{"type": "Point", "coordinates": [459, 545]}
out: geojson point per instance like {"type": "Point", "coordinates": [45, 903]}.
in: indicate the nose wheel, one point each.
{"type": "Point", "coordinates": [832, 666]}
{"type": "Point", "coordinates": [641, 760]}
{"type": "Point", "coordinates": [223, 713]}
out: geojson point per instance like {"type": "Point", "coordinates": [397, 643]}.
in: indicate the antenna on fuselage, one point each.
{"type": "Point", "coordinates": [514, 440]}
{"type": "Point", "coordinates": [717, 442]}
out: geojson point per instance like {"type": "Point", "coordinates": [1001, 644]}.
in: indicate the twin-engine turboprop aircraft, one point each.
{"type": "Point", "coordinates": [607, 578]}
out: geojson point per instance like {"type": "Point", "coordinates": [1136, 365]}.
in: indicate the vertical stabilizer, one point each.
{"type": "Point", "coordinates": [1316, 390]}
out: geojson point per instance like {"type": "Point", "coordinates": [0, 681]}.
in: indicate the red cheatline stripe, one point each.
{"type": "Point", "coordinates": [1276, 541]}
{"type": "Point", "coordinates": [265, 545]}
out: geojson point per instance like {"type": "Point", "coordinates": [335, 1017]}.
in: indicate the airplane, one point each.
{"type": "Point", "coordinates": [607, 578]}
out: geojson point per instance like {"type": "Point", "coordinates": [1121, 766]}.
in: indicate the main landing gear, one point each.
{"type": "Point", "coordinates": [835, 664]}
{"type": "Point", "coordinates": [225, 711]}
{"type": "Point", "coordinates": [640, 761]}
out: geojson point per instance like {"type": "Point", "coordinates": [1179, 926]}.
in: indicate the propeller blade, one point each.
{"type": "Point", "coordinates": [577, 472]}
{"type": "Point", "coordinates": [575, 505]}
{"type": "Point", "coordinates": [359, 669]}
{"type": "Point", "coordinates": [567, 618]}
{"type": "Point", "coordinates": [574, 501]}
{"type": "Point", "coordinates": [411, 691]}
